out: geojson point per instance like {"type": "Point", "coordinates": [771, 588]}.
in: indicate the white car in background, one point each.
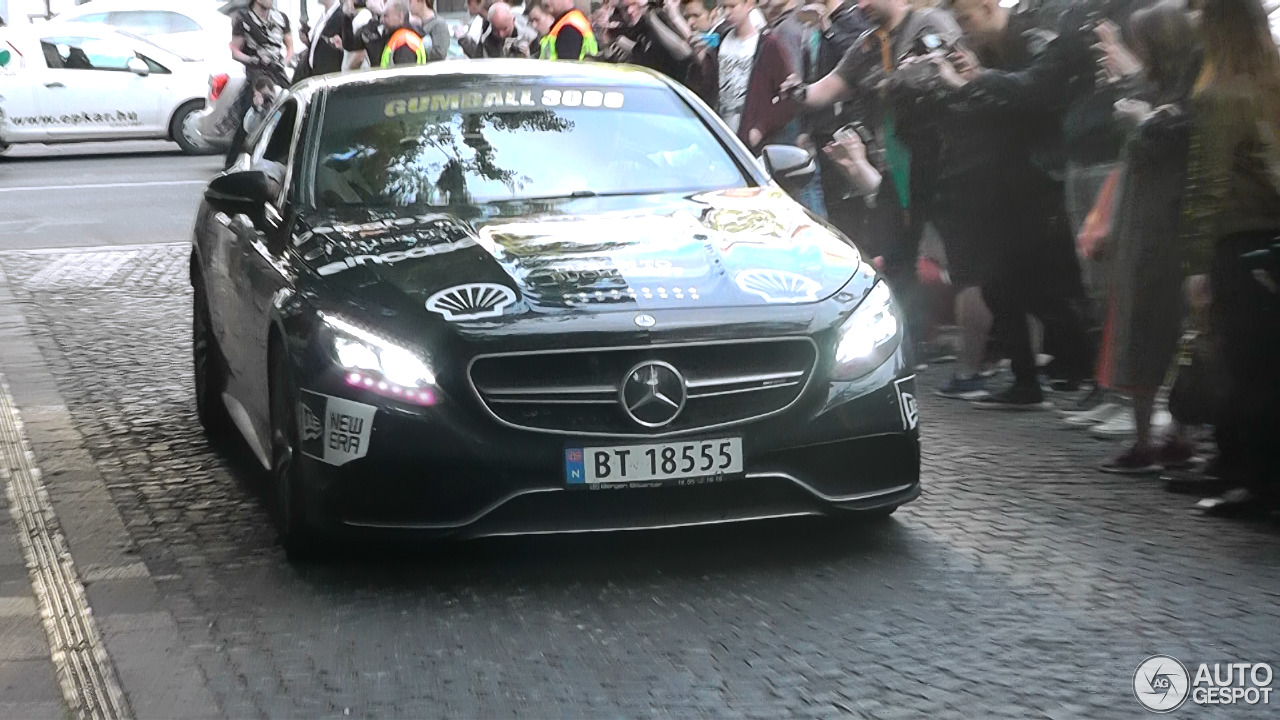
{"type": "Point", "coordinates": [193, 29]}
{"type": "Point", "coordinates": [74, 82]}
{"type": "Point", "coordinates": [1273, 10]}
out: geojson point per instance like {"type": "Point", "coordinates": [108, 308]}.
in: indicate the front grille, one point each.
{"type": "Point", "coordinates": [577, 392]}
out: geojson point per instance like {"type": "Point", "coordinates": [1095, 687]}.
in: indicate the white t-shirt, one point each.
{"type": "Point", "coordinates": [475, 29]}
{"type": "Point", "coordinates": [737, 57]}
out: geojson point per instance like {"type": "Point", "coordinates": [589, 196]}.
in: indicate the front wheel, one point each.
{"type": "Point", "coordinates": [286, 493]}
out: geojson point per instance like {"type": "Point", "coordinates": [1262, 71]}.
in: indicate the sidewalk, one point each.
{"type": "Point", "coordinates": [102, 625]}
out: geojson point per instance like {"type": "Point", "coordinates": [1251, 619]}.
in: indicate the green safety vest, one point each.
{"type": "Point", "coordinates": [401, 38]}
{"type": "Point", "coordinates": [582, 25]}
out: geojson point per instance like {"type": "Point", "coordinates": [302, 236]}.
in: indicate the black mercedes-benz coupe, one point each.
{"type": "Point", "coordinates": [505, 297]}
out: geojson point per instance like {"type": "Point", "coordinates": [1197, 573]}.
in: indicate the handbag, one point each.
{"type": "Point", "coordinates": [1199, 384]}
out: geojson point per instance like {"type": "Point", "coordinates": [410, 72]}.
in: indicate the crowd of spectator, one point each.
{"type": "Point", "coordinates": [1091, 187]}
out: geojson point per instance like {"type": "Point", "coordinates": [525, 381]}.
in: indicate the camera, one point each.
{"type": "Point", "coordinates": [875, 153]}
{"type": "Point", "coordinates": [931, 43]}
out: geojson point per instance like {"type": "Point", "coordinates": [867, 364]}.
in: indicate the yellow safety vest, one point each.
{"type": "Point", "coordinates": [581, 24]}
{"type": "Point", "coordinates": [404, 37]}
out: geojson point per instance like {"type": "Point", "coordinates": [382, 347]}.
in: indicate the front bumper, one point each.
{"type": "Point", "coordinates": [451, 469]}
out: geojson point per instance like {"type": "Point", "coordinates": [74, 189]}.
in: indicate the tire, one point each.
{"type": "Point", "coordinates": [209, 367]}
{"type": "Point", "coordinates": [285, 493]}
{"type": "Point", "coordinates": [178, 129]}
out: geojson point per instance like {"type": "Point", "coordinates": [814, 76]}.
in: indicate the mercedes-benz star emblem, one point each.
{"type": "Point", "coordinates": [653, 393]}
{"type": "Point", "coordinates": [646, 321]}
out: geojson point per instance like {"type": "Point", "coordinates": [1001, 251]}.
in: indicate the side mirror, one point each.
{"type": "Point", "coordinates": [790, 166]}
{"type": "Point", "coordinates": [244, 192]}
{"type": "Point", "coordinates": [138, 66]}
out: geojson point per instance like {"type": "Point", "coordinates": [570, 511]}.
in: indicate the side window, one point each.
{"type": "Point", "coordinates": [98, 18]}
{"type": "Point", "coordinates": [77, 53]}
{"type": "Point", "coordinates": [181, 23]}
{"type": "Point", "coordinates": [272, 147]}
{"type": "Point", "coordinates": [142, 22]}
{"type": "Point", "coordinates": [276, 144]}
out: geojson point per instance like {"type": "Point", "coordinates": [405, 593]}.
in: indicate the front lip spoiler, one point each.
{"type": "Point", "coordinates": [866, 500]}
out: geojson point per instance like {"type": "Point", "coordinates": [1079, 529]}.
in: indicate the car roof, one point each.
{"type": "Point", "coordinates": [29, 34]}
{"type": "Point", "coordinates": [192, 10]}
{"type": "Point", "coordinates": [559, 71]}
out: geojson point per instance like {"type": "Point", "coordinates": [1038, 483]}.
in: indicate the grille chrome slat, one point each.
{"type": "Point", "coordinates": [567, 390]}
{"type": "Point", "coordinates": [554, 401]}
{"type": "Point", "coordinates": [742, 379]}
{"type": "Point", "coordinates": [739, 391]}
{"type": "Point", "coordinates": [576, 392]}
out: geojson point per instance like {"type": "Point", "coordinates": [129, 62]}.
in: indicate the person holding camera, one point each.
{"type": "Point", "coordinates": [324, 52]}
{"type": "Point", "coordinates": [393, 39]}
{"type": "Point", "coordinates": [261, 41]}
{"type": "Point", "coordinates": [905, 137]}
{"type": "Point", "coordinates": [1000, 206]}
{"type": "Point", "coordinates": [501, 36]}
{"type": "Point", "coordinates": [652, 34]}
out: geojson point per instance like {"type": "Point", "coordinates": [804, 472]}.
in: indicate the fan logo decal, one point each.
{"type": "Point", "coordinates": [779, 286]}
{"type": "Point", "coordinates": [473, 301]}
{"type": "Point", "coordinates": [907, 407]}
{"type": "Point", "coordinates": [312, 429]}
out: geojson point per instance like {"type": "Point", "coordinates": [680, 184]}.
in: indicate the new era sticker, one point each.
{"type": "Point", "coordinates": [334, 430]}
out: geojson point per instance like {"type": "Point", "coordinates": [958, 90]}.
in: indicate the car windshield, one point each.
{"type": "Point", "coordinates": [410, 143]}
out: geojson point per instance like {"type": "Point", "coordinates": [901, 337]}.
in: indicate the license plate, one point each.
{"type": "Point", "coordinates": [653, 463]}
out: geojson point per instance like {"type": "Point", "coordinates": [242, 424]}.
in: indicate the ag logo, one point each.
{"type": "Point", "coordinates": [1161, 684]}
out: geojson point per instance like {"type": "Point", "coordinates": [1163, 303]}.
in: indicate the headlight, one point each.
{"type": "Point", "coordinates": [870, 335]}
{"type": "Point", "coordinates": [377, 364]}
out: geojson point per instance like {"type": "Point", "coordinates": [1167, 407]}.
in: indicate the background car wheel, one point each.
{"type": "Point", "coordinates": [182, 132]}
{"type": "Point", "coordinates": [285, 495]}
{"type": "Point", "coordinates": [210, 370]}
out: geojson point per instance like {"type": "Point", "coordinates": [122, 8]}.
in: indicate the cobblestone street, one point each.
{"type": "Point", "coordinates": [1023, 583]}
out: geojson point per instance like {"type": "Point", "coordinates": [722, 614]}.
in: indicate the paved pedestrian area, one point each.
{"type": "Point", "coordinates": [1022, 584]}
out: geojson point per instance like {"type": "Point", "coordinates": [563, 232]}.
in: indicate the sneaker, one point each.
{"type": "Point", "coordinates": [1015, 397]}
{"type": "Point", "coordinates": [1121, 425]}
{"type": "Point", "coordinates": [1195, 482]}
{"type": "Point", "coordinates": [1085, 403]}
{"type": "Point", "coordinates": [958, 388]}
{"type": "Point", "coordinates": [1239, 502]}
{"type": "Point", "coordinates": [989, 372]}
{"type": "Point", "coordinates": [1100, 414]}
{"type": "Point", "coordinates": [1066, 385]}
{"type": "Point", "coordinates": [1132, 462]}
{"type": "Point", "coordinates": [1176, 455]}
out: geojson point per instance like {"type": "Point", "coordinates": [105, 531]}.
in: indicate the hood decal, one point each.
{"type": "Point", "coordinates": [734, 248]}
{"type": "Point", "coordinates": [473, 301]}
{"type": "Point", "coordinates": [779, 286]}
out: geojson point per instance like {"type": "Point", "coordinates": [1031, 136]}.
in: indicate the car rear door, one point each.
{"type": "Point", "coordinates": [20, 67]}
{"type": "Point", "coordinates": [87, 90]}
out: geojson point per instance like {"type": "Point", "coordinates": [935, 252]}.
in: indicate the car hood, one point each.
{"type": "Point", "coordinates": [731, 248]}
